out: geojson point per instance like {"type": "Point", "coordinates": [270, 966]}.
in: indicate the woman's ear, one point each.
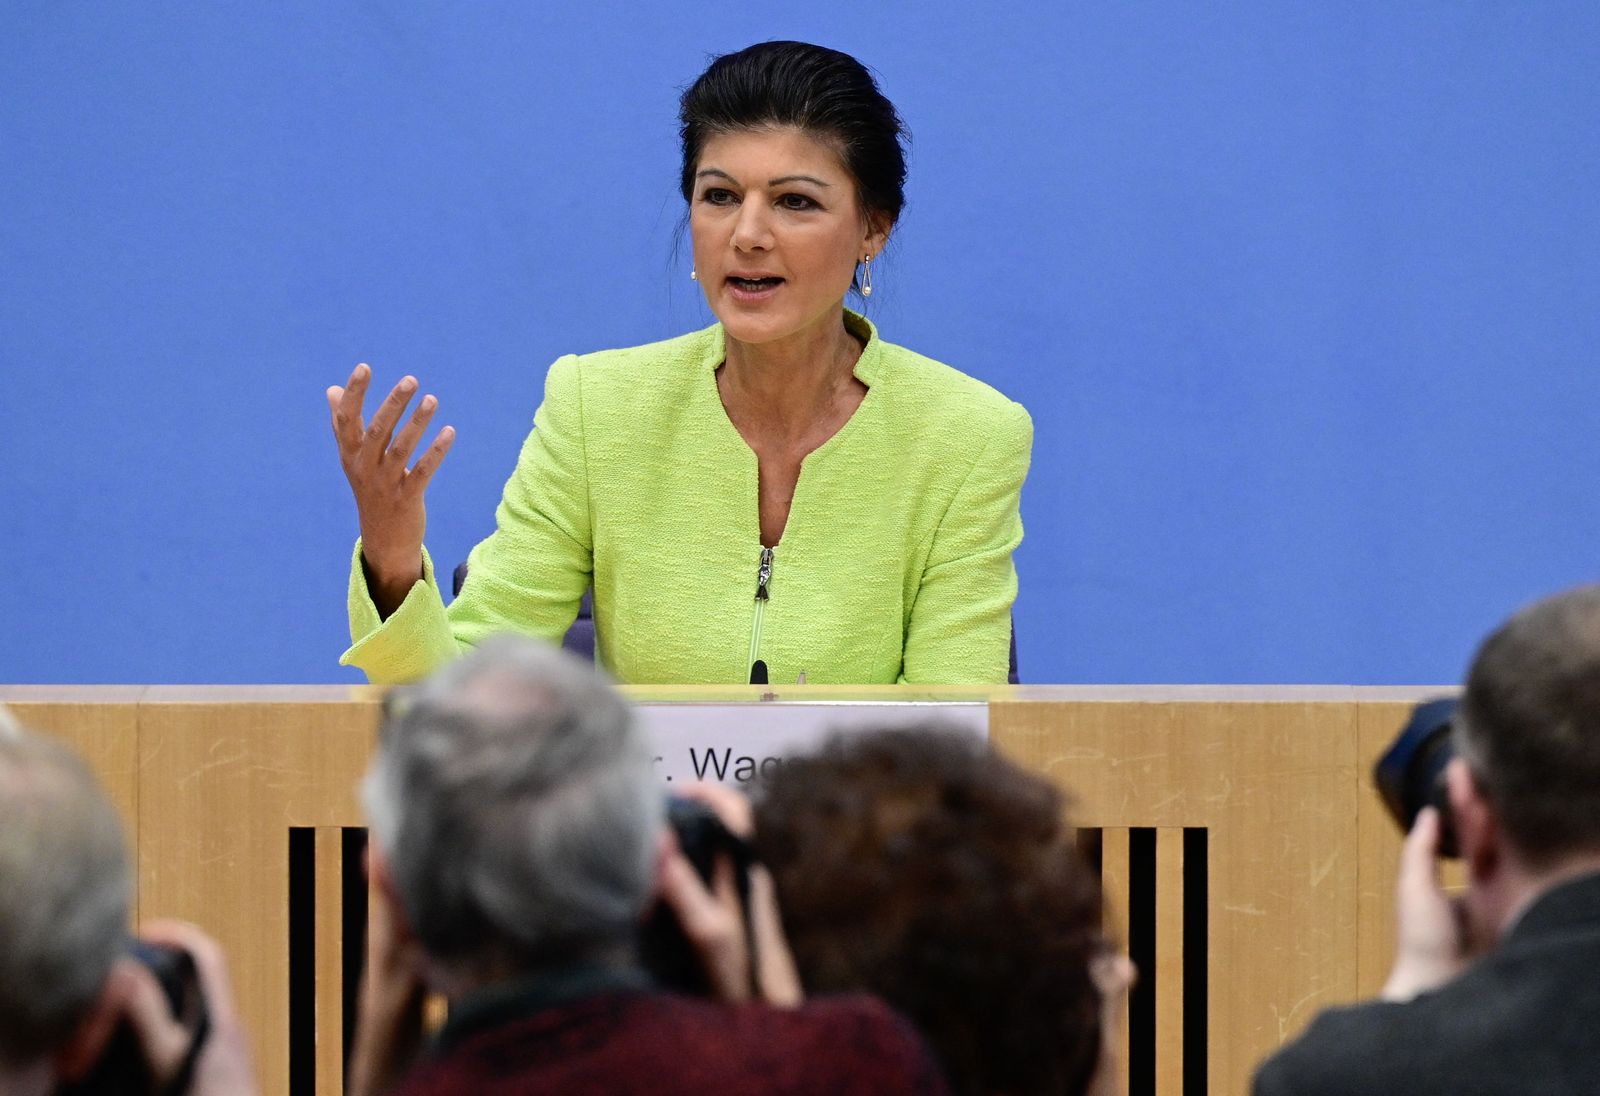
{"type": "Point", "coordinates": [878, 228]}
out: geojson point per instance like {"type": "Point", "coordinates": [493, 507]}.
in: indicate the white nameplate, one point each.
{"type": "Point", "coordinates": [738, 743]}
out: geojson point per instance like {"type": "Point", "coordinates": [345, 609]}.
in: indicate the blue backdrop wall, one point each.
{"type": "Point", "coordinates": [1304, 299]}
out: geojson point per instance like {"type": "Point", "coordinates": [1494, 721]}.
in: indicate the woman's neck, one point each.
{"type": "Point", "coordinates": [787, 386]}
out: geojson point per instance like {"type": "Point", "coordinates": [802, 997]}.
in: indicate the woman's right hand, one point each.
{"type": "Point", "coordinates": [388, 494]}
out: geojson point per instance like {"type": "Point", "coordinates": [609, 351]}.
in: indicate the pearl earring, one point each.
{"type": "Point", "coordinates": [866, 276]}
{"type": "Point", "coordinates": [694, 275]}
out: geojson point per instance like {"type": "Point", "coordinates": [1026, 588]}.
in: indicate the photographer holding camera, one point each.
{"type": "Point", "coordinates": [518, 844]}
{"type": "Point", "coordinates": [79, 1012]}
{"type": "Point", "coordinates": [1496, 991]}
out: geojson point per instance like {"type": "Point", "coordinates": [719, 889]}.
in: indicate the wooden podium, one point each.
{"type": "Point", "coordinates": [1247, 863]}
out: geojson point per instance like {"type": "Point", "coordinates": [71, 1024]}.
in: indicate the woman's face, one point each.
{"type": "Point", "coordinates": [777, 232]}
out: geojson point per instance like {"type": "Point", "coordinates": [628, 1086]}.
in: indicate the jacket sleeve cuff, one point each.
{"type": "Point", "coordinates": [412, 643]}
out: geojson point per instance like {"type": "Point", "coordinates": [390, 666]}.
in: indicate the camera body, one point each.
{"type": "Point", "coordinates": [122, 1069]}
{"type": "Point", "coordinates": [663, 948]}
{"type": "Point", "coordinates": [1410, 774]}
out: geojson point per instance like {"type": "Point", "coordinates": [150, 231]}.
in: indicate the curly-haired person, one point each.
{"type": "Point", "coordinates": [921, 866]}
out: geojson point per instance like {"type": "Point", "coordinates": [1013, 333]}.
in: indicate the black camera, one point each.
{"type": "Point", "coordinates": [663, 948]}
{"type": "Point", "coordinates": [1410, 774]}
{"type": "Point", "coordinates": [122, 1069]}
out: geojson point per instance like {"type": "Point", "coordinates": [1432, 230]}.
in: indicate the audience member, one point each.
{"type": "Point", "coordinates": [65, 985]}
{"type": "Point", "coordinates": [919, 865]}
{"type": "Point", "coordinates": [517, 843]}
{"type": "Point", "coordinates": [1493, 992]}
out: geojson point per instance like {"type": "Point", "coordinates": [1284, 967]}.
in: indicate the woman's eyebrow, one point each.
{"type": "Point", "coordinates": [712, 172]}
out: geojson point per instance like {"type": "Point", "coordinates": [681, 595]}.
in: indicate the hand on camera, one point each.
{"type": "Point", "coordinates": [1431, 948]}
{"type": "Point", "coordinates": [714, 919]}
{"type": "Point", "coordinates": [388, 494]}
{"type": "Point", "coordinates": [223, 1067]}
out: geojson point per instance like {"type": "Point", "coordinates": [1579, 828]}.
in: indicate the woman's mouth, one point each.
{"type": "Point", "coordinates": [753, 288]}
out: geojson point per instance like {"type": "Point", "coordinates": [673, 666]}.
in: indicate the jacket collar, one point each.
{"type": "Point", "coordinates": [496, 1006]}
{"type": "Point", "coordinates": [1572, 906]}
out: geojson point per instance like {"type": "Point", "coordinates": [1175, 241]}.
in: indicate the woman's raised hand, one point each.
{"type": "Point", "coordinates": [388, 494]}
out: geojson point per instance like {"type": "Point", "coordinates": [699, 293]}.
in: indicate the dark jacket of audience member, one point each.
{"type": "Point", "coordinates": [920, 866]}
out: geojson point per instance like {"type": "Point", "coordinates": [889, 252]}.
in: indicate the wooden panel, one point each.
{"type": "Point", "coordinates": [1169, 961]}
{"type": "Point", "coordinates": [222, 784]}
{"type": "Point", "coordinates": [330, 960]}
{"type": "Point", "coordinates": [1114, 882]}
{"type": "Point", "coordinates": [1275, 783]}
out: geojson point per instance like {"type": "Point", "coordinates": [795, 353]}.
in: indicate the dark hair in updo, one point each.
{"type": "Point", "coordinates": [828, 94]}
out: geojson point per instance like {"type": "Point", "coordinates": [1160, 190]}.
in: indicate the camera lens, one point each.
{"type": "Point", "coordinates": [1410, 774]}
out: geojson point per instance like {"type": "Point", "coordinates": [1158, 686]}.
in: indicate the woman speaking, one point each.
{"type": "Point", "coordinates": [782, 493]}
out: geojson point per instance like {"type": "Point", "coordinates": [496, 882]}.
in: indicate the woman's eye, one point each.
{"type": "Point", "coordinates": [717, 196]}
{"type": "Point", "coordinates": [797, 201]}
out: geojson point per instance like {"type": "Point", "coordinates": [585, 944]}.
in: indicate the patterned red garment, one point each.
{"type": "Point", "coordinates": [661, 1044]}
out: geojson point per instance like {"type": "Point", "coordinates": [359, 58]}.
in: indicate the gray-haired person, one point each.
{"type": "Point", "coordinates": [65, 986]}
{"type": "Point", "coordinates": [518, 840]}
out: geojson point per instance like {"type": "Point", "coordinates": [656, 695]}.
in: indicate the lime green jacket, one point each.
{"type": "Point", "coordinates": [895, 564]}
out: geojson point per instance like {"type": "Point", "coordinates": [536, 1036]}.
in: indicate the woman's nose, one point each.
{"type": "Point", "coordinates": [753, 232]}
